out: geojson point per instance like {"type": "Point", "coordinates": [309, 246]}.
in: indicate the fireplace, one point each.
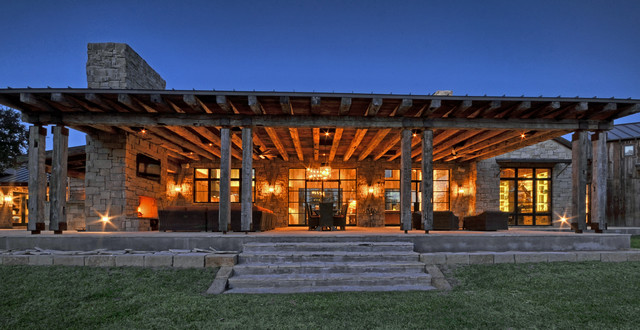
{"type": "Point", "coordinates": [147, 207]}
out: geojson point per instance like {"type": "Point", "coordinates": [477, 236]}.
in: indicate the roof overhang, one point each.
{"type": "Point", "coordinates": [187, 123]}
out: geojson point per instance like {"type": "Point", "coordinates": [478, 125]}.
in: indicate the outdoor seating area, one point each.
{"type": "Point", "coordinates": [487, 221]}
{"type": "Point", "coordinates": [206, 218]}
{"type": "Point", "coordinates": [326, 218]}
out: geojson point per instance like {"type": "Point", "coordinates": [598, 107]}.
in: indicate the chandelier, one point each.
{"type": "Point", "coordinates": [322, 172]}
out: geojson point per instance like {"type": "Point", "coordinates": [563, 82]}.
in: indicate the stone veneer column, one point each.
{"type": "Point", "coordinates": [426, 185]}
{"type": "Point", "coordinates": [405, 180]}
{"type": "Point", "coordinates": [58, 182]}
{"type": "Point", "coordinates": [579, 181]}
{"type": "Point", "coordinates": [37, 178]}
{"type": "Point", "coordinates": [599, 181]}
{"type": "Point", "coordinates": [247, 179]}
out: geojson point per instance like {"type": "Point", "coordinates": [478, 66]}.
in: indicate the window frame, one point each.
{"type": "Point", "coordinates": [416, 187]}
{"type": "Point", "coordinates": [210, 180]}
{"type": "Point", "coordinates": [516, 214]}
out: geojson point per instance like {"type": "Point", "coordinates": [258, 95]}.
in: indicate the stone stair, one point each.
{"type": "Point", "coordinates": [328, 267]}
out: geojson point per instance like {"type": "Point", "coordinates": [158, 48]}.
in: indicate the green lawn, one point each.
{"type": "Point", "coordinates": [635, 242]}
{"type": "Point", "coordinates": [560, 295]}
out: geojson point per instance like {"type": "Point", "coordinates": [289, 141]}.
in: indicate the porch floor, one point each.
{"type": "Point", "coordinates": [514, 239]}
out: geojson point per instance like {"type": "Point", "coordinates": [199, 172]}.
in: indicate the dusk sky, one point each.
{"type": "Point", "coordinates": [552, 48]}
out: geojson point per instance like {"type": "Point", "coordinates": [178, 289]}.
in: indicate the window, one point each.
{"type": "Point", "coordinates": [525, 193]}
{"type": "Point", "coordinates": [147, 167]}
{"type": "Point", "coordinates": [206, 183]}
{"type": "Point", "coordinates": [340, 189]}
{"type": "Point", "coordinates": [441, 186]}
{"type": "Point", "coordinates": [629, 150]}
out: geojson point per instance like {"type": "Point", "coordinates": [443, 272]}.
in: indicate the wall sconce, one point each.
{"type": "Point", "coordinates": [7, 200]}
{"type": "Point", "coordinates": [460, 191]}
{"type": "Point", "coordinates": [271, 189]}
{"type": "Point", "coordinates": [371, 190]}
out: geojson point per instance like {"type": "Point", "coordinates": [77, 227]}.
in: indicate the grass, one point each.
{"type": "Point", "coordinates": [635, 242]}
{"type": "Point", "coordinates": [558, 295]}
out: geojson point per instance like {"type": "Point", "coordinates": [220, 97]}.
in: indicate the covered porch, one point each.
{"type": "Point", "coordinates": [210, 148]}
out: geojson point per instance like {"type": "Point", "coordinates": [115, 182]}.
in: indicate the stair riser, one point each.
{"type": "Point", "coordinates": [275, 259]}
{"type": "Point", "coordinates": [330, 248]}
{"type": "Point", "coordinates": [348, 269]}
{"type": "Point", "coordinates": [241, 283]}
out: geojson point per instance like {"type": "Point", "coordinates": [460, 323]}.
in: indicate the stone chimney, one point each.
{"type": "Point", "coordinates": [118, 66]}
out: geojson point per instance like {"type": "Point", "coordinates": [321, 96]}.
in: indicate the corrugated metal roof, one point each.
{"type": "Point", "coordinates": [624, 132]}
{"type": "Point", "coordinates": [15, 176]}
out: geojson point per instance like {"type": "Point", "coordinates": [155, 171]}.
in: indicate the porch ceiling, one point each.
{"type": "Point", "coordinates": [292, 126]}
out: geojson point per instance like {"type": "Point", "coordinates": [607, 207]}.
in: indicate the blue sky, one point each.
{"type": "Point", "coordinates": [568, 48]}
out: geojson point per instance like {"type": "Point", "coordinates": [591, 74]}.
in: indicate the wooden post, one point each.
{"type": "Point", "coordinates": [426, 185]}
{"type": "Point", "coordinates": [58, 180]}
{"type": "Point", "coordinates": [247, 179]}
{"type": "Point", "coordinates": [405, 180]}
{"type": "Point", "coordinates": [37, 178]}
{"type": "Point", "coordinates": [579, 181]}
{"type": "Point", "coordinates": [599, 174]}
{"type": "Point", "coordinates": [225, 179]}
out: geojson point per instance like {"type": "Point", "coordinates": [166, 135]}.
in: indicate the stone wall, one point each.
{"type": "Point", "coordinates": [117, 66]}
{"type": "Point", "coordinates": [112, 186]}
{"type": "Point", "coordinates": [370, 207]}
{"type": "Point", "coordinates": [488, 177]}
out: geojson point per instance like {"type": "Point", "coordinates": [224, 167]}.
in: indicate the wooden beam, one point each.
{"type": "Point", "coordinates": [390, 144]}
{"type": "Point", "coordinates": [246, 191]}
{"type": "Point", "coordinates": [402, 108]}
{"type": "Point", "coordinates": [426, 184]}
{"type": "Point", "coordinates": [482, 137]}
{"type": "Point", "coordinates": [33, 100]}
{"type": "Point", "coordinates": [255, 105]}
{"type": "Point", "coordinates": [503, 136]}
{"type": "Point", "coordinates": [126, 100]}
{"type": "Point", "coordinates": [105, 103]}
{"type": "Point", "coordinates": [315, 105]}
{"type": "Point", "coordinates": [195, 103]}
{"type": "Point", "coordinates": [316, 143]}
{"type": "Point", "coordinates": [162, 119]}
{"type": "Point", "coordinates": [158, 102]}
{"type": "Point", "coordinates": [336, 142]}
{"type": "Point", "coordinates": [354, 144]}
{"type": "Point", "coordinates": [574, 110]}
{"type": "Point", "coordinates": [627, 111]}
{"type": "Point", "coordinates": [599, 175]}
{"type": "Point", "coordinates": [296, 142]}
{"type": "Point", "coordinates": [579, 181]}
{"type": "Point", "coordinates": [549, 107]}
{"type": "Point", "coordinates": [37, 178]}
{"type": "Point", "coordinates": [215, 141]}
{"type": "Point", "coordinates": [144, 105]}
{"type": "Point", "coordinates": [285, 104]}
{"type": "Point", "coordinates": [474, 112]}
{"type": "Point", "coordinates": [226, 105]}
{"type": "Point", "coordinates": [224, 205]}
{"type": "Point", "coordinates": [183, 140]}
{"type": "Point", "coordinates": [375, 141]}
{"type": "Point", "coordinates": [405, 180]}
{"type": "Point", "coordinates": [276, 142]}
{"type": "Point", "coordinates": [513, 111]}
{"type": "Point", "coordinates": [450, 143]}
{"type": "Point", "coordinates": [373, 107]}
{"type": "Point", "coordinates": [58, 180]}
{"type": "Point", "coordinates": [414, 142]}
{"type": "Point", "coordinates": [159, 138]}
{"type": "Point", "coordinates": [345, 106]}
{"type": "Point", "coordinates": [429, 108]}
{"type": "Point", "coordinates": [460, 108]}
{"type": "Point", "coordinates": [513, 144]}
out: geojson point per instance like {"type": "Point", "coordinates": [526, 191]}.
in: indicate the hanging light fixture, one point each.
{"type": "Point", "coordinates": [322, 172]}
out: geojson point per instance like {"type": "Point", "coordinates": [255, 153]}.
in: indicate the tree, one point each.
{"type": "Point", "coordinates": [14, 138]}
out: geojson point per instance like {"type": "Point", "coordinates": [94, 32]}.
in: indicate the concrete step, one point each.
{"type": "Point", "coordinates": [328, 246]}
{"type": "Point", "coordinates": [328, 267]}
{"type": "Point", "coordinates": [335, 279]}
{"type": "Point", "coordinates": [331, 288]}
{"type": "Point", "coordinates": [324, 256]}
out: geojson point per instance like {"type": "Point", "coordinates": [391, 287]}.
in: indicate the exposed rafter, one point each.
{"type": "Point", "coordinates": [277, 143]}
{"type": "Point", "coordinates": [336, 142]}
{"type": "Point", "coordinates": [296, 143]}
{"type": "Point", "coordinates": [375, 141]}
{"type": "Point", "coordinates": [354, 144]}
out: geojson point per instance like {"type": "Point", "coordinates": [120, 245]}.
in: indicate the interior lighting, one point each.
{"type": "Point", "coordinates": [461, 191]}
{"type": "Point", "coordinates": [143, 131]}
{"type": "Point", "coordinates": [104, 219]}
{"type": "Point", "coordinates": [271, 189]}
{"type": "Point", "coordinates": [371, 190]}
{"type": "Point", "coordinates": [177, 189]}
{"type": "Point", "coordinates": [522, 136]}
